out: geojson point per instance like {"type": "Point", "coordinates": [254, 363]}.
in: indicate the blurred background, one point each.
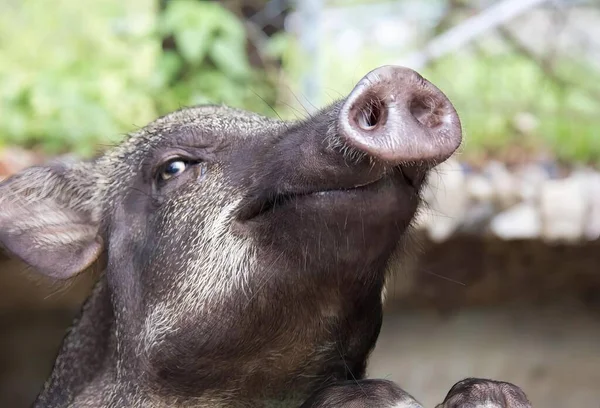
{"type": "Point", "coordinates": [504, 277]}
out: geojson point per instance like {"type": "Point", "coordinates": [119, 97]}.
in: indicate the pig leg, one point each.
{"type": "Point", "coordinates": [361, 394]}
{"type": "Point", "coordinates": [483, 393]}
{"type": "Point", "coordinates": [468, 393]}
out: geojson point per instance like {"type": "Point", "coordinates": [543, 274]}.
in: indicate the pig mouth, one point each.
{"type": "Point", "coordinates": [270, 203]}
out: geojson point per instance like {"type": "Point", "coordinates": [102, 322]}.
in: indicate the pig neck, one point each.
{"type": "Point", "coordinates": [85, 371]}
{"type": "Point", "coordinates": [84, 353]}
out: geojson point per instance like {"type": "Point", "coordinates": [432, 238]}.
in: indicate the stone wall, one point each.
{"type": "Point", "coordinates": [535, 200]}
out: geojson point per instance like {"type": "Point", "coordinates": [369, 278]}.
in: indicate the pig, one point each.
{"type": "Point", "coordinates": [243, 258]}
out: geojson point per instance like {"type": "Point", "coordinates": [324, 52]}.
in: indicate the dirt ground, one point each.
{"type": "Point", "coordinates": [553, 353]}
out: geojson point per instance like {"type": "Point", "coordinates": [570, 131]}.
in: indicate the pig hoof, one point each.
{"type": "Point", "coordinates": [482, 393]}
{"type": "Point", "coordinates": [361, 394]}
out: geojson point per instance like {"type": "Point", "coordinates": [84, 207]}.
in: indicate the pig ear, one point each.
{"type": "Point", "coordinates": [49, 218]}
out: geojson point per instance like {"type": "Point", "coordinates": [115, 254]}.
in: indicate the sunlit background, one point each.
{"type": "Point", "coordinates": [505, 281]}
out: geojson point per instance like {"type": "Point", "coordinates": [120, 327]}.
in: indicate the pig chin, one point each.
{"type": "Point", "coordinates": [339, 232]}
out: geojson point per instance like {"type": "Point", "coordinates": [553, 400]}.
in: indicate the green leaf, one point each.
{"type": "Point", "coordinates": [103, 73]}
{"type": "Point", "coordinates": [168, 65]}
{"type": "Point", "coordinates": [193, 43]}
{"type": "Point", "coordinates": [230, 57]}
{"type": "Point", "coordinates": [278, 45]}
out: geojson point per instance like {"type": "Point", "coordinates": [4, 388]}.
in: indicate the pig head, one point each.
{"type": "Point", "coordinates": [243, 257]}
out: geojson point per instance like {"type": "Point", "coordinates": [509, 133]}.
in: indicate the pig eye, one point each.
{"type": "Point", "coordinates": [173, 169]}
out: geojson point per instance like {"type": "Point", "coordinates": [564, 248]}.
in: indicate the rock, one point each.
{"type": "Point", "coordinates": [467, 168]}
{"type": "Point", "coordinates": [530, 179]}
{"type": "Point", "coordinates": [505, 187]}
{"type": "Point", "coordinates": [592, 224]}
{"type": "Point", "coordinates": [477, 218]}
{"type": "Point", "coordinates": [519, 222]}
{"type": "Point", "coordinates": [564, 207]}
{"type": "Point", "coordinates": [552, 168]}
{"type": "Point", "coordinates": [480, 188]}
{"type": "Point", "coordinates": [446, 201]}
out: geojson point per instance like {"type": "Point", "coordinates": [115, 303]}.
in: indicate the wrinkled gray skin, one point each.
{"type": "Point", "coordinates": [244, 258]}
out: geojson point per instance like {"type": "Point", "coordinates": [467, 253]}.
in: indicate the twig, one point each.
{"type": "Point", "coordinates": [470, 30]}
{"type": "Point", "coordinates": [544, 65]}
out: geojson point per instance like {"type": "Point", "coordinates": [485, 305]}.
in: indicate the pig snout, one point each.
{"type": "Point", "coordinates": [372, 149]}
{"type": "Point", "coordinates": [396, 116]}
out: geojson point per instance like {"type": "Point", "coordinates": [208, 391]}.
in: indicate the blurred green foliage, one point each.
{"type": "Point", "coordinates": [76, 74]}
{"type": "Point", "coordinates": [211, 63]}
{"type": "Point", "coordinates": [508, 100]}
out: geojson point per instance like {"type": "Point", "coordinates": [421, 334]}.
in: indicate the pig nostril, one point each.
{"type": "Point", "coordinates": [426, 111]}
{"type": "Point", "coordinates": [370, 116]}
